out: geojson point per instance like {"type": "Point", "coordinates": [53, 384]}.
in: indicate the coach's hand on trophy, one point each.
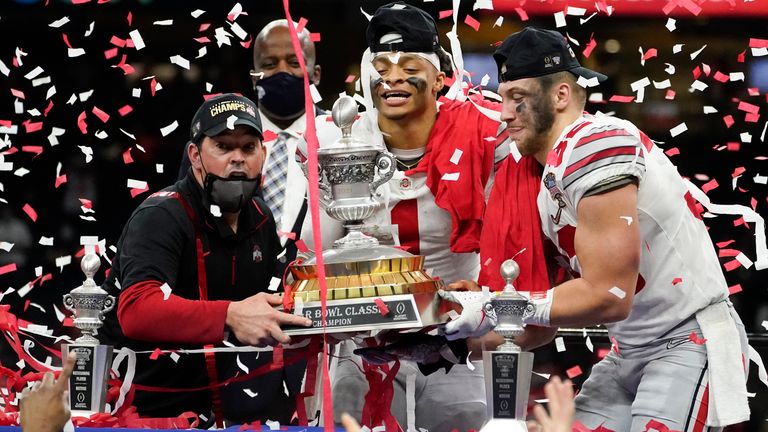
{"type": "Point", "coordinates": [45, 407]}
{"type": "Point", "coordinates": [255, 321]}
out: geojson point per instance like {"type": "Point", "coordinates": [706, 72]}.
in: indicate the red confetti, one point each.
{"type": "Point", "coordinates": [521, 13]}
{"type": "Point", "coordinates": [153, 86]}
{"type": "Point", "coordinates": [621, 99]}
{"type": "Point", "coordinates": [86, 203]}
{"type": "Point", "coordinates": [269, 136]}
{"type": "Point", "coordinates": [314, 37]}
{"type": "Point", "coordinates": [445, 13]}
{"type": "Point", "coordinates": [738, 171]}
{"type": "Point", "coordinates": [350, 79]}
{"type": "Point", "coordinates": [728, 120]}
{"type": "Point", "coordinates": [155, 354]}
{"type": "Point", "coordinates": [734, 289]}
{"type": "Point", "coordinates": [383, 309]}
{"type": "Point", "coordinates": [728, 253]}
{"type": "Point", "coordinates": [752, 118]}
{"type": "Point", "coordinates": [138, 191]}
{"type": "Point", "coordinates": [651, 53]}
{"type": "Point", "coordinates": [37, 150]}
{"type": "Point", "coordinates": [18, 93]}
{"type": "Point", "coordinates": [719, 76]}
{"type": "Point", "coordinates": [32, 127]}
{"type": "Point", "coordinates": [30, 212]}
{"type": "Point", "coordinates": [676, 280]}
{"type": "Point", "coordinates": [247, 44]}
{"type": "Point", "coordinates": [301, 246]}
{"type": "Point", "coordinates": [129, 18]}
{"type": "Point", "coordinates": [125, 110]}
{"type": "Point", "coordinates": [708, 186]}
{"type": "Point", "coordinates": [573, 372]}
{"type": "Point", "coordinates": [127, 159]}
{"type": "Point", "coordinates": [203, 39]}
{"type": "Point", "coordinates": [693, 337]}
{"type": "Point", "coordinates": [470, 21]}
{"type": "Point", "coordinates": [732, 265]}
{"type": "Point", "coordinates": [748, 107]}
{"type": "Point", "coordinates": [66, 40]}
{"type": "Point", "coordinates": [300, 26]}
{"type": "Point", "coordinates": [670, 95]}
{"type": "Point", "coordinates": [104, 117]}
{"type": "Point", "coordinates": [733, 146]}
{"type": "Point", "coordinates": [117, 41]}
{"type": "Point", "coordinates": [672, 152]}
{"type": "Point", "coordinates": [754, 91]}
{"type": "Point", "coordinates": [696, 72]}
{"type": "Point", "coordinates": [48, 108]}
{"type": "Point", "coordinates": [758, 43]}
{"type": "Point", "coordinates": [110, 53]}
{"type": "Point", "coordinates": [724, 243]}
{"type": "Point", "coordinates": [8, 268]}
{"type": "Point", "coordinates": [204, 27]}
{"type": "Point", "coordinates": [81, 123]}
{"type": "Point", "coordinates": [590, 46]}
{"type": "Point", "coordinates": [290, 235]}
{"type": "Point", "coordinates": [60, 180]}
{"type": "Point", "coordinates": [740, 57]}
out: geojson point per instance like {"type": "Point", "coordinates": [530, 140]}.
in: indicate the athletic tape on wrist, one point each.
{"type": "Point", "coordinates": [543, 306]}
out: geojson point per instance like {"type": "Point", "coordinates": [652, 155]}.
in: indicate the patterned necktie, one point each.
{"type": "Point", "coordinates": [274, 178]}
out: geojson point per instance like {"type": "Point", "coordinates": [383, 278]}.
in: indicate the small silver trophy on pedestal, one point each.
{"type": "Point", "coordinates": [88, 383]}
{"type": "Point", "coordinates": [508, 369]}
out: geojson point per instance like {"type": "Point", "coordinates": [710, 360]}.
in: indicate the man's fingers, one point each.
{"type": "Point", "coordinates": [272, 299]}
{"type": "Point", "coordinates": [349, 423]}
{"type": "Point", "coordinates": [66, 371]}
{"type": "Point", "coordinates": [291, 319]}
{"type": "Point", "coordinates": [541, 416]}
{"type": "Point", "coordinates": [464, 285]}
{"type": "Point", "coordinates": [277, 335]}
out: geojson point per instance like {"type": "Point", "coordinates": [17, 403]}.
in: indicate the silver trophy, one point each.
{"type": "Point", "coordinates": [88, 383]}
{"type": "Point", "coordinates": [360, 273]}
{"type": "Point", "coordinates": [507, 369]}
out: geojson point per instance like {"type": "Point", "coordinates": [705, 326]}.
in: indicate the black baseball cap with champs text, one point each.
{"type": "Point", "coordinates": [213, 116]}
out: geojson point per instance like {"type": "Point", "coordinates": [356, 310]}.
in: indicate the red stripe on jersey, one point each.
{"type": "Point", "coordinates": [600, 135]}
{"type": "Point", "coordinates": [701, 416]}
{"type": "Point", "coordinates": [405, 215]}
{"type": "Point", "coordinates": [646, 141]}
{"type": "Point", "coordinates": [603, 154]}
{"type": "Point", "coordinates": [565, 238]}
{"type": "Point", "coordinates": [576, 129]}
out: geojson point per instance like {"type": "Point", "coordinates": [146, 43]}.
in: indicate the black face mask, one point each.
{"type": "Point", "coordinates": [230, 194]}
{"type": "Point", "coordinates": [281, 95]}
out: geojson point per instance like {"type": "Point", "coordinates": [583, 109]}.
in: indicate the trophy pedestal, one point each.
{"type": "Point", "coordinates": [88, 384]}
{"type": "Point", "coordinates": [507, 383]}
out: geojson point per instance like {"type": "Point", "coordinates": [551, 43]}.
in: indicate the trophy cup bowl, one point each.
{"type": "Point", "coordinates": [508, 369]}
{"type": "Point", "coordinates": [89, 303]}
{"type": "Point", "coordinates": [358, 270]}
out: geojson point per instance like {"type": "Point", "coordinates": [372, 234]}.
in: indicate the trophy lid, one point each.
{"type": "Point", "coordinates": [344, 114]}
{"type": "Point", "coordinates": [377, 252]}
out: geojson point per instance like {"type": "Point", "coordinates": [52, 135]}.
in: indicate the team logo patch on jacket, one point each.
{"type": "Point", "coordinates": [257, 256]}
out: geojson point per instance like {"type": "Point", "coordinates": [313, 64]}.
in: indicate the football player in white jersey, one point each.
{"type": "Point", "coordinates": [645, 266]}
{"type": "Point", "coordinates": [440, 219]}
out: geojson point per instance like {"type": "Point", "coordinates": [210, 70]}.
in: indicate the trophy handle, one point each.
{"type": "Point", "coordinates": [69, 302]}
{"type": "Point", "coordinates": [385, 164]}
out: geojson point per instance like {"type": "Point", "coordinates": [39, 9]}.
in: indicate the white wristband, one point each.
{"type": "Point", "coordinates": [543, 307]}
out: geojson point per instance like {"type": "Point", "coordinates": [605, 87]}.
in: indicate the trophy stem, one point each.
{"type": "Point", "coordinates": [355, 238]}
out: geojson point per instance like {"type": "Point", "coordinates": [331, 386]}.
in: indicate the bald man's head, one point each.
{"type": "Point", "coordinates": [273, 52]}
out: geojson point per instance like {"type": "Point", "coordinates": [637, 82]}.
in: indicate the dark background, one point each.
{"type": "Point", "coordinates": [703, 151]}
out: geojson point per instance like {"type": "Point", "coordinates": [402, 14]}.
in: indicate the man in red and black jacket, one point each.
{"type": "Point", "coordinates": [193, 267]}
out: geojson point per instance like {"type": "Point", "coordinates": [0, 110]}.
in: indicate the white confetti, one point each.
{"type": "Point", "coordinates": [138, 42]}
{"type": "Point", "coordinates": [450, 176]}
{"type": "Point", "coordinates": [587, 82]}
{"type": "Point", "coordinates": [764, 324]}
{"type": "Point", "coordinates": [745, 137]}
{"type": "Point", "coordinates": [696, 53]}
{"type": "Point", "coordinates": [222, 37]}
{"type": "Point", "coordinates": [709, 109]}
{"type": "Point", "coordinates": [181, 61]}
{"type": "Point", "coordinates": [215, 210]}
{"type": "Point", "coordinates": [583, 20]}
{"type": "Point", "coordinates": [75, 52]}
{"type": "Point", "coordinates": [483, 4]}
{"type": "Point", "coordinates": [46, 241]}
{"type": "Point", "coordinates": [759, 52]}
{"type": "Point", "coordinates": [670, 69]}
{"type": "Point", "coordinates": [575, 11]}
{"type": "Point", "coordinates": [196, 13]}
{"type": "Point", "coordinates": [4, 69]}
{"type": "Point", "coordinates": [677, 130]}
{"type": "Point", "coordinates": [174, 356]}
{"type": "Point", "coordinates": [240, 364]}
{"type": "Point", "coordinates": [159, 168]}
{"type": "Point", "coordinates": [670, 25]}
{"type": "Point", "coordinates": [34, 73]}
{"type": "Point", "coordinates": [627, 218]}
{"type": "Point", "coordinates": [316, 98]}
{"type": "Point", "coordinates": [136, 184]}
{"type": "Point", "coordinates": [618, 292]}
{"type": "Point", "coordinates": [59, 22]}
{"type": "Point", "coordinates": [238, 31]}
{"type": "Point", "coordinates": [543, 375]}
{"type": "Point", "coordinates": [168, 22]}
{"type": "Point", "coordinates": [90, 29]}
{"type": "Point", "coordinates": [736, 76]}
{"type": "Point", "coordinates": [166, 289]}
{"type": "Point", "coordinates": [559, 19]}
{"type": "Point", "coordinates": [63, 260]}
{"type": "Point", "coordinates": [201, 52]}
{"type": "Point", "coordinates": [676, 48]}
{"type": "Point", "coordinates": [6, 246]}
{"type": "Point", "coordinates": [88, 152]}
{"type": "Point", "coordinates": [590, 347]}
{"type": "Point", "coordinates": [662, 84]}
{"type": "Point", "coordinates": [231, 121]}
{"type": "Point", "coordinates": [456, 157]}
{"type": "Point", "coordinates": [499, 21]}
{"type": "Point", "coordinates": [760, 179]}
{"type": "Point", "coordinates": [560, 344]}
{"type": "Point", "coordinates": [236, 11]}
{"type": "Point", "coordinates": [274, 284]}
{"type": "Point", "coordinates": [165, 131]}
{"type": "Point", "coordinates": [699, 85]}
{"type": "Point", "coordinates": [250, 392]}
{"type": "Point", "coordinates": [746, 262]}
{"type": "Point", "coordinates": [136, 92]}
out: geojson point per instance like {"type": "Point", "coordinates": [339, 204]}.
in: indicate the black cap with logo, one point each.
{"type": "Point", "coordinates": [416, 29]}
{"type": "Point", "coordinates": [212, 118]}
{"type": "Point", "coordinates": [534, 52]}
